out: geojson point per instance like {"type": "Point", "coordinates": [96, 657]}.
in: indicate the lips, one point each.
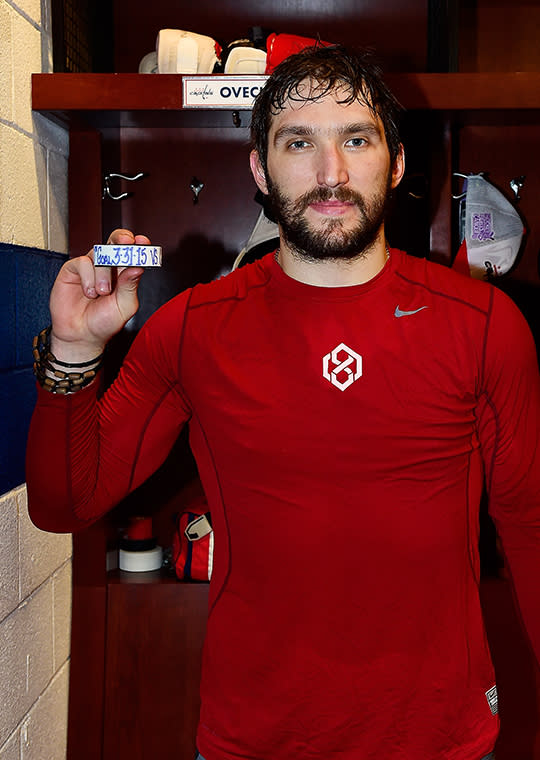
{"type": "Point", "coordinates": [332, 207]}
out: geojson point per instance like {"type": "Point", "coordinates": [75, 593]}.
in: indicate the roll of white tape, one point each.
{"type": "Point", "coordinates": [140, 562]}
{"type": "Point", "coordinates": [127, 256]}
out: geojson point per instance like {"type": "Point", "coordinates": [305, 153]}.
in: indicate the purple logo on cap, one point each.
{"type": "Point", "coordinates": [482, 227]}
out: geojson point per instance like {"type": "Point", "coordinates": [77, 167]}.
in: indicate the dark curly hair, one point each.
{"type": "Point", "coordinates": [327, 68]}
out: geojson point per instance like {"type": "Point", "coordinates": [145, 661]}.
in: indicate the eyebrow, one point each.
{"type": "Point", "coordinates": [306, 130]}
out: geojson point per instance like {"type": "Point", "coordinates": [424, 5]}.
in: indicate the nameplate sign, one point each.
{"type": "Point", "coordinates": [221, 91]}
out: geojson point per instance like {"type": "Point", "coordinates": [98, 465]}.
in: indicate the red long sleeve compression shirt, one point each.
{"type": "Point", "coordinates": [343, 437]}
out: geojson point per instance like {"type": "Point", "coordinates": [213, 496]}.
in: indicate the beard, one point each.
{"type": "Point", "coordinates": [332, 241]}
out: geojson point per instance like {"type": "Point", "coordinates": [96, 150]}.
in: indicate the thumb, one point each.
{"type": "Point", "coordinates": [126, 291]}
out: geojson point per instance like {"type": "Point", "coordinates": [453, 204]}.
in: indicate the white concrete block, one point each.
{"type": "Point", "coordinates": [23, 189]}
{"type": "Point", "coordinates": [61, 581]}
{"type": "Point", "coordinates": [26, 61]}
{"type": "Point", "coordinates": [9, 554]}
{"type": "Point", "coordinates": [6, 67]}
{"type": "Point", "coordinates": [26, 658]}
{"type": "Point", "coordinates": [32, 8]}
{"type": "Point", "coordinates": [44, 732]}
{"type": "Point", "coordinates": [41, 553]}
{"type": "Point", "coordinates": [11, 749]}
{"type": "Point", "coordinates": [58, 202]}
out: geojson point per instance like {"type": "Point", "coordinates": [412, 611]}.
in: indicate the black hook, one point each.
{"type": "Point", "coordinates": [196, 187]}
{"type": "Point", "coordinates": [516, 184]}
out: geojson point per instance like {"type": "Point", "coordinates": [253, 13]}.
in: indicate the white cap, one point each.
{"type": "Point", "coordinates": [493, 229]}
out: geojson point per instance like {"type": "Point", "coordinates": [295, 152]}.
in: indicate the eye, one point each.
{"type": "Point", "coordinates": [356, 142]}
{"type": "Point", "coordinates": [298, 145]}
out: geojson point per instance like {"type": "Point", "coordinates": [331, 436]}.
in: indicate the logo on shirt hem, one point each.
{"type": "Point", "coordinates": [493, 700]}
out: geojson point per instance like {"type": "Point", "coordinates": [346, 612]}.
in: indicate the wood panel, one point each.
{"type": "Point", "coordinates": [496, 36]}
{"type": "Point", "coordinates": [441, 160]}
{"type": "Point", "coordinates": [87, 671]}
{"type": "Point", "coordinates": [201, 240]}
{"type": "Point", "coordinates": [88, 624]}
{"type": "Point", "coordinates": [155, 636]}
{"type": "Point", "coordinates": [84, 184]}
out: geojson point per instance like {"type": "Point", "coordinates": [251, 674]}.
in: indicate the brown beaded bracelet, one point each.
{"type": "Point", "coordinates": [56, 380]}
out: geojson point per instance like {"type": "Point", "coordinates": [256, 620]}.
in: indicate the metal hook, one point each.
{"type": "Point", "coordinates": [114, 175]}
{"type": "Point", "coordinates": [196, 187]}
{"type": "Point", "coordinates": [516, 184]}
{"type": "Point", "coordinates": [461, 195]}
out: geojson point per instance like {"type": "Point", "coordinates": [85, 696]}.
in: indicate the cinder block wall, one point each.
{"type": "Point", "coordinates": [35, 567]}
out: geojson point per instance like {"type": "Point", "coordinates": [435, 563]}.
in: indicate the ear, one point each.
{"type": "Point", "coordinates": [258, 172]}
{"type": "Point", "coordinates": [398, 169]}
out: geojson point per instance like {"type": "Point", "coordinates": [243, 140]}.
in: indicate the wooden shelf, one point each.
{"type": "Point", "coordinates": [105, 100]}
{"type": "Point", "coordinates": [153, 577]}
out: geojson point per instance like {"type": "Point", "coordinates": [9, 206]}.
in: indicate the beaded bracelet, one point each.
{"type": "Point", "coordinates": [46, 367]}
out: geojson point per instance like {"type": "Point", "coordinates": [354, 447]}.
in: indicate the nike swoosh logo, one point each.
{"type": "Point", "coordinates": [399, 313]}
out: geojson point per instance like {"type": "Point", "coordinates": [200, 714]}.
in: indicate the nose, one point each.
{"type": "Point", "coordinates": [332, 168]}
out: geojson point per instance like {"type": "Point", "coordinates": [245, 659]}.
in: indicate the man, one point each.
{"type": "Point", "coordinates": [345, 404]}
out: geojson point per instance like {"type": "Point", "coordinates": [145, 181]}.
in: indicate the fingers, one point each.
{"type": "Point", "coordinates": [126, 291]}
{"type": "Point", "coordinates": [103, 284]}
{"type": "Point", "coordinates": [121, 237]}
{"type": "Point", "coordinates": [82, 268]}
{"type": "Point", "coordinates": [128, 278]}
{"type": "Point", "coordinates": [126, 237]}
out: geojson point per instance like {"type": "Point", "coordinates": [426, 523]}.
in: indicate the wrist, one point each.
{"type": "Point", "coordinates": [76, 353]}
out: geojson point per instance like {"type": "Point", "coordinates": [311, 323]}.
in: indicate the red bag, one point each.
{"type": "Point", "coordinates": [193, 544]}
